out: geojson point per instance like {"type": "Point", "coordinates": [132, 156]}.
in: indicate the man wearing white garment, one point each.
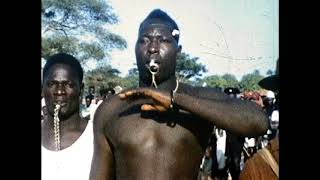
{"type": "Point", "coordinates": [67, 139]}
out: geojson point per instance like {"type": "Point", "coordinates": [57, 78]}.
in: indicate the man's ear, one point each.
{"type": "Point", "coordinates": [179, 50]}
{"type": "Point", "coordinates": [42, 93]}
{"type": "Point", "coordinates": [81, 89]}
{"type": "Point", "coordinates": [41, 90]}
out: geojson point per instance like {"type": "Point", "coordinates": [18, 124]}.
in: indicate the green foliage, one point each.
{"type": "Point", "coordinates": [104, 76]}
{"type": "Point", "coordinates": [231, 80]}
{"type": "Point", "coordinates": [227, 80]}
{"type": "Point", "coordinates": [132, 79]}
{"type": "Point", "coordinates": [269, 72]}
{"type": "Point", "coordinates": [215, 81]}
{"type": "Point", "coordinates": [79, 27]}
{"type": "Point", "coordinates": [249, 82]}
{"type": "Point", "coordinates": [188, 67]}
{"type": "Point", "coordinates": [108, 77]}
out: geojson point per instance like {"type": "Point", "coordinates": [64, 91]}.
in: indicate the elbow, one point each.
{"type": "Point", "coordinates": [253, 128]}
{"type": "Point", "coordinates": [256, 126]}
{"type": "Point", "coordinates": [259, 122]}
{"type": "Point", "coordinates": [261, 126]}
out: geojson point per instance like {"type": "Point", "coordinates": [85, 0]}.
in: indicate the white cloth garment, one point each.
{"type": "Point", "coordinates": [221, 148]}
{"type": "Point", "coordinates": [274, 119]}
{"type": "Point", "coordinates": [43, 103]}
{"type": "Point", "coordinates": [72, 163]}
{"type": "Point", "coordinates": [249, 142]}
{"type": "Point", "coordinates": [85, 111]}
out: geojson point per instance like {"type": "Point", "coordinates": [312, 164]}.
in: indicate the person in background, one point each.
{"type": "Point", "coordinates": [264, 164]}
{"type": "Point", "coordinates": [66, 138]}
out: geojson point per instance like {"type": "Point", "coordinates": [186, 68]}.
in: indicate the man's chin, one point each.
{"type": "Point", "coordinates": [64, 114]}
{"type": "Point", "coordinates": [63, 117]}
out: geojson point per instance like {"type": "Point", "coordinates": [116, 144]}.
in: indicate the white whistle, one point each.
{"type": "Point", "coordinates": [154, 67]}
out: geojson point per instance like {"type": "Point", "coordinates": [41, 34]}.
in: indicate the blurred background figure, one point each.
{"type": "Point", "coordinates": [105, 94]}
{"type": "Point", "coordinates": [265, 163]}
{"type": "Point", "coordinates": [92, 91]}
{"type": "Point", "coordinates": [206, 165]}
{"type": "Point", "coordinates": [117, 89]}
{"type": "Point", "coordinates": [44, 111]}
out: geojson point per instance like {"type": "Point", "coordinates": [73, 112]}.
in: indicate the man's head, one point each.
{"type": "Point", "coordinates": [44, 110]}
{"type": "Point", "coordinates": [62, 84]}
{"type": "Point", "coordinates": [232, 92]}
{"type": "Point", "coordinates": [158, 41]}
{"type": "Point", "coordinates": [110, 91]}
{"type": "Point", "coordinates": [91, 90]}
{"type": "Point", "coordinates": [88, 101]}
{"type": "Point", "coordinates": [106, 92]}
{"type": "Point", "coordinates": [208, 152]}
{"type": "Point", "coordinates": [270, 98]}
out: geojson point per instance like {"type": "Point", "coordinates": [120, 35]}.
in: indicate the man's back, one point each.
{"type": "Point", "coordinates": [152, 145]}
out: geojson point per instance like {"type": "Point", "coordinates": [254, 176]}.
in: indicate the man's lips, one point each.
{"type": "Point", "coordinates": [153, 67]}
{"type": "Point", "coordinates": [152, 60]}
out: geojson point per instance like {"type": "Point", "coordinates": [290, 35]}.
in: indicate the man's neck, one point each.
{"type": "Point", "coordinates": [169, 84]}
{"type": "Point", "coordinates": [71, 123]}
{"type": "Point", "coordinates": [70, 130]}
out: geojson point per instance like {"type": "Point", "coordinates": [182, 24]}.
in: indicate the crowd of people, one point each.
{"type": "Point", "coordinates": [164, 129]}
{"type": "Point", "coordinates": [226, 156]}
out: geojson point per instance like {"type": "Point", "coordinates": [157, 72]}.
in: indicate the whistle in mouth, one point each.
{"type": "Point", "coordinates": [153, 67]}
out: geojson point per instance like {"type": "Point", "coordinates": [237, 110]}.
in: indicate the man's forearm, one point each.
{"type": "Point", "coordinates": [239, 117]}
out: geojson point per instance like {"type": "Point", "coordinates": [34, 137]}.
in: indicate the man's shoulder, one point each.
{"type": "Point", "coordinates": [114, 105]}
{"type": "Point", "coordinates": [106, 111]}
{"type": "Point", "coordinates": [110, 103]}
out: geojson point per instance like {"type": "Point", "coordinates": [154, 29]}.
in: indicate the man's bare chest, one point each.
{"type": "Point", "coordinates": [152, 130]}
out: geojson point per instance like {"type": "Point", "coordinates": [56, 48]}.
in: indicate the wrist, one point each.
{"type": "Point", "coordinates": [173, 105]}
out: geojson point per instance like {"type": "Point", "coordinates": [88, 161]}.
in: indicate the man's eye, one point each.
{"type": "Point", "coordinates": [143, 40]}
{"type": "Point", "coordinates": [165, 40]}
{"type": "Point", "coordinates": [50, 84]}
{"type": "Point", "coordinates": [70, 85]}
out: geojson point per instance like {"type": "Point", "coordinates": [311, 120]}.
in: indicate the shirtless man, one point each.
{"type": "Point", "coordinates": [161, 132]}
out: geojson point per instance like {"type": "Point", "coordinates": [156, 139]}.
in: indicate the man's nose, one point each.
{"type": "Point", "coordinates": [153, 47]}
{"type": "Point", "coordinates": [60, 90]}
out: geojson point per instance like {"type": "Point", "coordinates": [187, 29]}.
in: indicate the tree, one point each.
{"type": "Point", "coordinates": [249, 82]}
{"type": "Point", "coordinates": [79, 27]}
{"type": "Point", "coordinates": [256, 72]}
{"type": "Point", "coordinates": [188, 67]}
{"type": "Point", "coordinates": [108, 77]}
{"type": "Point", "coordinates": [132, 79]}
{"type": "Point", "coordinates": [231, 80]}
{"type": "Point", "coordinates": [105, 76]}
{"type": "Point", "coordinates": [215, 81]}
{"type": "Point", "coordinates": [269, 72]}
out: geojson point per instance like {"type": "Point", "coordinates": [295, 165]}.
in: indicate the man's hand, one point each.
{"type": "Point", "coordinates": [162, 99]}
{"type": "Point", "coordinates": [259, 102]}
